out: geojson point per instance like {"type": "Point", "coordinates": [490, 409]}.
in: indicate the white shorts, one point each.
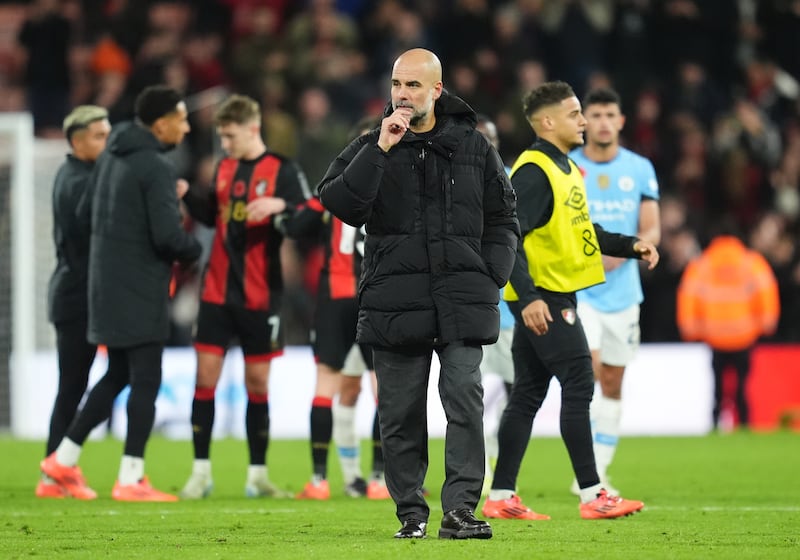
{"type": "Point", "coordinates": [497, 357]}
{"type": "Point", "coordinates": [354, 364]}
{"type": "Point", "coordinates": [616, 334]}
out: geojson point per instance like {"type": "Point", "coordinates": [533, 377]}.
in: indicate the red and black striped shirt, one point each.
{"type": "Point", "coordinates": [344, 250]}
{"type": "Point", "coordinates": [244, 268]}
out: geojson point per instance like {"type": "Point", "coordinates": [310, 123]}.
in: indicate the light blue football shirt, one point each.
{"type": "Point", "coordinates": [506, 318]}
{"type": "Point", "coordinates": [615, 190]}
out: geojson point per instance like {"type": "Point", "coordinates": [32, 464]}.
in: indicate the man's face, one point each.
{"type": "Point", "coordinates": [413, 85]}
{"type": "Point", "coordinates": [172, 127]}
{"type": "Point", "coordinates": [238, 139]}
{"type": "Point", "coordinates": [603, 124]}
{"type": "Point", "coordinates": [88, 143]}
{"type": "Point", "coordinates": [568, 122]}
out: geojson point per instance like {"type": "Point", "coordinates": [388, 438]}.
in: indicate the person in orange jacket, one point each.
{"type": "Point", "coordinates": [728, 298]}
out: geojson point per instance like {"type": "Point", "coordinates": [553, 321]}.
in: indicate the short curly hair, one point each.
{"type": "Point", "coordinates": [549, 93]}
{"type": "Point", "coordinates": [155, 102]}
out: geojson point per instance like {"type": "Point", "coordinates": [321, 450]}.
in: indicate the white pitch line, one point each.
{"type": "Point", "coordinates": [789, 509]}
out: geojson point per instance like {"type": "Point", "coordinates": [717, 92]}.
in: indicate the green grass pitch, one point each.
{"type": "Point", "coordinates": [717, 497]}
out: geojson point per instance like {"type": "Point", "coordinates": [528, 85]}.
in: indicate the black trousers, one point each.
{"type": "Point", "coordinates": [139, 366]}
{"type": "Point", "coordinates": [564, 353]}
{"type": "Point", "coordinates": [740, 362]}
{"type": "Point", "coordinates": [75, 358]}
{"type": "Point", "coordinates": [402, 410]}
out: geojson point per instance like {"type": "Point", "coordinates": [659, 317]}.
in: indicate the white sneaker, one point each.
{"type": "Point", "coordinates": [604, 482]}
{"type": "Point", "coordinates": [197, 487]}
{"type": "Point", "coordinates": [262, 487]}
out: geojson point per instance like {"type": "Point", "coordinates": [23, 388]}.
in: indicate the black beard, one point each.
{"type": "Point", "coordinates": [416, 119]}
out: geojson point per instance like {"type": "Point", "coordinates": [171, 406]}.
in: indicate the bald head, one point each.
{"type": "Point", "coordinates": [420, 60]}
{"type": "Point", "coordinates": [417, 84]}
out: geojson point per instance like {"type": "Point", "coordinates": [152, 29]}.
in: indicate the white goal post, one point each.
{"type": "Point", "coordinates": [19, 126]}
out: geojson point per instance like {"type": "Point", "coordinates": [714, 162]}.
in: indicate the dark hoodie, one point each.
{"type": "Point", "coordinates": [441, 230]}
{"type": "Point", "coordinates": [136, 237]}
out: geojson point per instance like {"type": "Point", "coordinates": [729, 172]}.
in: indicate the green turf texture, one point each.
{"type": "Point", "coordinates": [727, 497]}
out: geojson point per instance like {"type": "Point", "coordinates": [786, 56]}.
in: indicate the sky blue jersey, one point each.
{"type": "Point", "coordinates": [506, 318]}
{"type": "Point", "coordinates": [615, 190]}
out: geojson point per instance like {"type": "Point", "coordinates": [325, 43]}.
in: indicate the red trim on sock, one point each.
{"type": "Point", "coordinates": [258, 398]}
{"type": "Point", "coordinates": [209, 349]}
{"type": "Point", "coordinates": [322, 402]}
{"type": "Point", "coordinates": [204, 393]}
{"type": "Point", "coordinates": [257, 358]}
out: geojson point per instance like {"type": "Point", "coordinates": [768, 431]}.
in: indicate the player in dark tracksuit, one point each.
{"type": "Point", "coordinates": [87, 129]}
{"type": "Point", "coordinates": [136, 237]}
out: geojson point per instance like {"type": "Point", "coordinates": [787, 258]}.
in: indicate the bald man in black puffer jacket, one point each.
{"type": "Point", "coordinates": [442, 231]}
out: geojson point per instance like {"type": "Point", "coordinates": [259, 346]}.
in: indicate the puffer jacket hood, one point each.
{"type": "Point", "coordinates": [449, 105]}
{"type": "Point", "coordinates": [128, 137]}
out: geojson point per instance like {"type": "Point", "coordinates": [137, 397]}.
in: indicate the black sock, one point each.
{"type": "Point", "coordinates": [321, 433]}
{"type": "Point", "coordinates": [257, 424]}
{"type": "Point", "coordinates": [202, 423]}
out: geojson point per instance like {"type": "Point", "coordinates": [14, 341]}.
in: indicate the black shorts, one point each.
{"type": "Point", "coordinates": [257, 332]}
{"type": "Point", "coordinates": [334, 330]}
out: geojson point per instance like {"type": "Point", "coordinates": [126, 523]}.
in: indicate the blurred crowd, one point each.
{"type": "Point", "coordinates": [709, 87]}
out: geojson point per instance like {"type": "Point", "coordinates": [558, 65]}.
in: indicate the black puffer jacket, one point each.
{"type": "Point", "coordinates": [136, 236]}
{"type": "Point", "coordinates": [441, 226]}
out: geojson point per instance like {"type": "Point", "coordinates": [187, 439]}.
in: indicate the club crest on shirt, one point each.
{"type": "Point", "coordinates": [626, 183]}
{"type": "Point", "coordinates": [261, 187]}
{"type": "Point", "coordinates": [569, 315]}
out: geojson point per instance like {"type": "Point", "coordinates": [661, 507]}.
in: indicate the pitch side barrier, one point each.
{"type": "Point", "coordinates": [668, 391]}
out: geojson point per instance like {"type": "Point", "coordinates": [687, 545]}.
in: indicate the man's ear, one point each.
{"type": "Point", "coordinates": [157, 126]}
